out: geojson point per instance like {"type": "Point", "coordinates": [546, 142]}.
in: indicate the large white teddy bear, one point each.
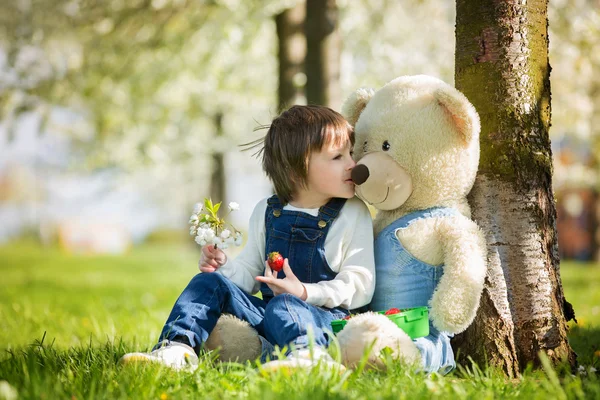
{"type": "Point", "coordinates": [417, 142]}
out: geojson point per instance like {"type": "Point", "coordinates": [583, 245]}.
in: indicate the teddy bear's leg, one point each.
{"type": "Point", "coordinates": [236, 340]}
{"type": "Point", "coordinates": [376, 330]}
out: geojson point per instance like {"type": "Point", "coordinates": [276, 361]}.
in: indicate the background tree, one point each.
{"type": "Point", "coordinates": [322, 53]}
{"type": "Point", "coordinates": [502, 67]}
{"type": "Point", "coordinates": [291, 54]}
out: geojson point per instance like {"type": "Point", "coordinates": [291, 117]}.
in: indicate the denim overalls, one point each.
{"type": "Point", "coordinates": [283, 319]}
{"type": "Point", "coordinates": [405, 282]}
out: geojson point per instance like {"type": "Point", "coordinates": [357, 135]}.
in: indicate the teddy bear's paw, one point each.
{"type": "Point", "coordinates": [375, 337]}
{"type": "Point", "coordinates": [235, 339]}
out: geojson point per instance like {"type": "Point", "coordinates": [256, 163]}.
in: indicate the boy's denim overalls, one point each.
{"type": "Point", "coordinates": [282, 319]}
{"type": "Point", "coordinates": [405, 282]}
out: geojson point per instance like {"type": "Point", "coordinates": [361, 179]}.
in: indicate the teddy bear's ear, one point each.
{"type": "Point", "coordinates": [462, 113]}
{"type": "Point", "coordinates": [356, 103]}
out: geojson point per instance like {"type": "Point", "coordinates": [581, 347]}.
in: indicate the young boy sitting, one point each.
{"type": "Point", "coordinates": [315, 222]}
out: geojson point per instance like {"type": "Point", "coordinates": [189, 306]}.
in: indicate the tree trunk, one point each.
{"type": "Point", "coordinates": [595, 124]}
{"type": "Point", "coordinates": [292, 51]}
{"type": "Point", "coordinates": [502, 67]}
{"type": "Point", "coordinates": [323, 53]}
{"type": "Point", "coordinates": [217, 177]}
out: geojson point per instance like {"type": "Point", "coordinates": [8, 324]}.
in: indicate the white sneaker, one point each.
{"type": "Point", "coordinates": [175, 355]}
{"type": "Point", "coordinates": [305, 360]}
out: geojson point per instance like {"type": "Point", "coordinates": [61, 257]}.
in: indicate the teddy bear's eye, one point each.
{"type": "Point", "coordinates": [385, 146]}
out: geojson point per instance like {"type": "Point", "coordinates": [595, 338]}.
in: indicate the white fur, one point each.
{"type": "Point", "coordinates": [456, 298]}
{"type": "Point", "coordinates": [433, 133]}
{"type": "Point", "coordinates": [459, 244]}
{"type": "Point", "coordinates": [424, 140]}
{"type": "Point", "coordinates": [378, 331]}
{"type": "Point", "coordinates": [355, 104]}
{"type": "Point", "coordinates": [235, 339]}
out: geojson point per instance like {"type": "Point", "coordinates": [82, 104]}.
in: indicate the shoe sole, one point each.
{"type": "Point", "coordinates": [288, 366]}
{"type": "Point", "coordinates": [141, 358]}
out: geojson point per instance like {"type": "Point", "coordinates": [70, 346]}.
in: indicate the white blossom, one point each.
{"type": "Point", "coordinates": [225, 233]}
{"type": "Point", "coordinates": [198, 208]}
{"type": "Point", "coordinates": [230, 240]}
{"type": "Point", "coordinates": [210, 233]}
{"type": "Point", "coordinates": [233, 206]}
{"type": "Point", "coordinates": [238, 239]}
{"type": "Point", "coordinates": [193, 219]}
{"type": "Point", "coordinates": [217, 240]}
{"type": "Point", "coordinates": [199, 239]}
{"type": "Point", "coordinates": [224, 246]}
{"type": "Point", "coordinates": [192, 230]}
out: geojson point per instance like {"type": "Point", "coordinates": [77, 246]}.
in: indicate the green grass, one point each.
{"type": "Point", "coordinates": [66, 320]}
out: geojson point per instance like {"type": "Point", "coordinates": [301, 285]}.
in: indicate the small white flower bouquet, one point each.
{"type": "Point", "coordinates": [208, 227]}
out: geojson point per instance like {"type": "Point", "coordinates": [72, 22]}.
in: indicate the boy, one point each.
{"type": "Point", "coordinates": [315, 222]}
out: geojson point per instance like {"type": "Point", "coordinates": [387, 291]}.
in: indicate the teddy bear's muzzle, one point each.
{"type": "Point", "coordinates": [360, 174]}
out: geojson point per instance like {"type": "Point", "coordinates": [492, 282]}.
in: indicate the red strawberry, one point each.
{"type": "Point", "coordinates": [393, 311]}
{"type": "Point", "coordinates": [275, 261]}
{"type": "Point", "coordinates": [347, 317]}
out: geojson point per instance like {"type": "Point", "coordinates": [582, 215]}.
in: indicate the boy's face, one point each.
{"type": "Point", "coordinates": [329, 172]}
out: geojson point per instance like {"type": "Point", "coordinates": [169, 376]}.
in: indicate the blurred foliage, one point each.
{"type": "Point", "coordinates": [169, 236]}
{"type": "Point", "coordinates": [146, 78]}
{"type": "Point", "coordinates": [149, 76]}
{"type": "Point", "coordinates": [574, 30]}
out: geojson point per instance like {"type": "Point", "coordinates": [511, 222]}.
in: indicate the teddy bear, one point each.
{"type": "Point", "coordinates": [417, 146]}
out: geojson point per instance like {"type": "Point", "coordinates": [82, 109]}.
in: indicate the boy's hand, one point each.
{"type": "Point", "coordinates": [211, 259]}
{"type": "Point", "coordinates": [290, 284]}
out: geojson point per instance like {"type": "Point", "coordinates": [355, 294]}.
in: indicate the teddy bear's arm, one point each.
{"type": "Point", "coordinates": [456, 298]}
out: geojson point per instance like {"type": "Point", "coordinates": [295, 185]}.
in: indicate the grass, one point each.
{"type": "Point", "coordinates": [65, 321]}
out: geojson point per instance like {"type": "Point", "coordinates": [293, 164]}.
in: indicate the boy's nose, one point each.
{"type": "Point", "coordinates": [360, 174]}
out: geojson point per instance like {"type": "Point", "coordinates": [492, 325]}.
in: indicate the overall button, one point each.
{"type": "Point", "coordinates": [277, 213]}
{"type": "Point", "coordinates": [322, 224]}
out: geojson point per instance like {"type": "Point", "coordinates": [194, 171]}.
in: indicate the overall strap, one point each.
{"type": "Point", "coordinates": [331, 210]}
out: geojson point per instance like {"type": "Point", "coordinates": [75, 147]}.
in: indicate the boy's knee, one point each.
{"type": "Point", "coordinates": [284, 301]}
{"type": "Point", "coordinates": [208, 278]}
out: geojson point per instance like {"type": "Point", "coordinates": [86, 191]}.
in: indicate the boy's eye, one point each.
{"type": "Point", "coordinates": [338, 157]}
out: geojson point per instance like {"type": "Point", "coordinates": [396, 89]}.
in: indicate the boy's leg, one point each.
{"type": "Point", "coordinates": [288, 319]}
{"type": "Point", "coordinates": [198, 308]}
{"type": "Point", "coordinates": [195, 315]}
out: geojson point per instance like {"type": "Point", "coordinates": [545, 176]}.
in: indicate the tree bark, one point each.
{"type": "Point", "coordinates": [292, 51]}
{"type": "Point", "coordinates": [323, 53]}
{"type": "Point", "coordinates": [502, 67]}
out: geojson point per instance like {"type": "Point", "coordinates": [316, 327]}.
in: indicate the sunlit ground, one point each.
{"type": "Point", "coordinates": [89, 310]}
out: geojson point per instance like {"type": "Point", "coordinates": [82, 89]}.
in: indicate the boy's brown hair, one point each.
{"type": "Point", "coordinates": [291, 139]}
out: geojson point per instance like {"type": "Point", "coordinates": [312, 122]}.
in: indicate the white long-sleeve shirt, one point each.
{"type": "Point", "coordinates": [348, 251]}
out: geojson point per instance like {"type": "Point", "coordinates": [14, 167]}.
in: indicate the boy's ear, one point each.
{"type": "Point", "coordinates": [461, 112]}
{"type": "Point", "coordinates": [356, 103]}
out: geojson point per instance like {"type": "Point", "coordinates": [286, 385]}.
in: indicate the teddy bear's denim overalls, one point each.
{"type": "Point", "coordinates": [282, 319]}
{"type": "Point", "coordinates": [405, 282]}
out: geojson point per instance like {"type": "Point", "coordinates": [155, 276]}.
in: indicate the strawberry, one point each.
{"type": "Point", "coordinates": [347, 317]}
{"type": "Point", "coordinates": [275, 261]}
{"type": "Point", "coordinates": [393, 311]}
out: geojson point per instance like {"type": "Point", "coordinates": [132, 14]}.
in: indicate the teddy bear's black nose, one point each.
{"type": "Point", "coordinates": [360, 174]}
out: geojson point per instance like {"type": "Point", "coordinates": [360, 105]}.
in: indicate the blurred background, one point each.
{"type": "Point", "coordinates": [117, 116]}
